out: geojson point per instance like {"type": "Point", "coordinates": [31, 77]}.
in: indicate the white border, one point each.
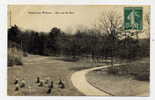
{"type": "Point", "coordinates": [3, 45]}
{"type": "Point", "coordinates": [76, 1]}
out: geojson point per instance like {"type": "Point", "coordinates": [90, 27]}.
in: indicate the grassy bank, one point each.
{"type": "Point", "coordinates": [52, 68]}
{"type": "Point", "coordinates": [126, 80]}
{"type": "Point", "coordinates": [139, 69]}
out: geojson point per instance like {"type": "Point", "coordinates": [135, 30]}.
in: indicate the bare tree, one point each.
{"type": "Point", "coordinates": [110, 24]}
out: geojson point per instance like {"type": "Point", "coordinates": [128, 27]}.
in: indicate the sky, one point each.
{"type": "Point", "coordinates": [66, 17]}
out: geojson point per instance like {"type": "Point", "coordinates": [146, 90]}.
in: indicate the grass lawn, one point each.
{"type": "Point", "coordinates": [125, 80]}
{"type": "Point", "coordinates": [53, 68]}
{"type": "Point", "coordinates": [139, 69]}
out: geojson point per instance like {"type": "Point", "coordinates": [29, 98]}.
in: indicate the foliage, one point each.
{"type": "Point", "coordinates": [90, 42]}
{"type": "Point", "coordinates": [14, 57]}
{"type": "Point", "coordinates": [139, 70]}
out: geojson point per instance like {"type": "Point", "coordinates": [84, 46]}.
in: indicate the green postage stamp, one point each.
{"type": "Point", "coordinates": [133, 18]}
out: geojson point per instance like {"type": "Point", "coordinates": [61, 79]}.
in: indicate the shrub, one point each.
{"type": "Point", "coordinates": [10, 60]}
{"type": "Point", "coordinates": [18, 61]}
{"type": "Point", "coordinates": [14, 57]}
{"type": "Point", "coordinates": [113, 70]}
{"type": "Point", "coordinates": [144, 76]}
{"type": "Point", "coordinates": [25, 54]}
{"type": "Point", "coordinates": [139, 70]}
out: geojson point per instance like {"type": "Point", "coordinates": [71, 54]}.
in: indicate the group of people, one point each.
{"type": "Point", "coordinates": [40, 83]}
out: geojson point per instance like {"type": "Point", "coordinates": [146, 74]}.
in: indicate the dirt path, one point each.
{"type": "Point", "coordinates": [80, 82]}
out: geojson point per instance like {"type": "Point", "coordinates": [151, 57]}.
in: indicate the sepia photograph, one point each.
{"type": "Point", "coordinates": [78, 50]}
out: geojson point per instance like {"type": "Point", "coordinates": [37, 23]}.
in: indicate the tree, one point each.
{"type": "Point", "coordinates": [14, 36]}
{"type": "Point", "coordinates": [54, 38]}
{"type": "Point", "coordinates": [110, 24]}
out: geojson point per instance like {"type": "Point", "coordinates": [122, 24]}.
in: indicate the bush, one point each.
{"type": "Point", "coordinates": [144, 76]}
{"type": "Point", "coordinates": [25, 54]}
{"type": "Point", "coordinates": [10, 61]}
{"type": "Point", "coordinates": [18, 61]}
{"type": "Point", "coordinates": [113, 70]}
{"type": "Point", "coordinates": [13, 60]}
{"type": "Point", "coordinates": [139, 70]}
{"type": "Point", "coordinates": [14, 57]}
{"type": "Point", "coordinates": [128, 48]}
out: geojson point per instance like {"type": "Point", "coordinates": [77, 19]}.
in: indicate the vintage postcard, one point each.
{"type": "Point", "coordinates": [78, 50]}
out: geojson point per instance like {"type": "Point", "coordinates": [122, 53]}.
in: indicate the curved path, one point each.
{"type": "Point", "coordinates": [80, 82]}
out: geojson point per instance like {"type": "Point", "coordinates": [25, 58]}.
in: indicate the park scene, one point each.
{"type": "Point", "coordinates": [78, 50]}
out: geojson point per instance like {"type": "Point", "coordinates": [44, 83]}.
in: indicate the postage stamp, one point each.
{"type": "Point", "coordinates": [133, 18]}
